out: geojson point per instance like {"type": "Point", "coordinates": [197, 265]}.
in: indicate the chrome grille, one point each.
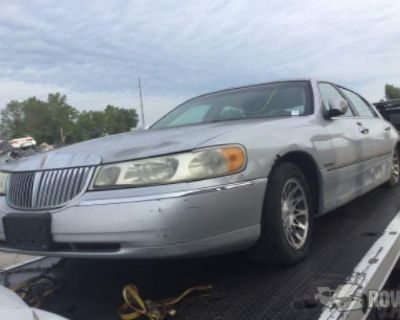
{"type": "Point", "coordinates": [47, 189]}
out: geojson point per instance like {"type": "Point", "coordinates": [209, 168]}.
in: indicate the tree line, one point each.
{"type": "Point", "coordinates": [54, 121]}
{"type": "Point", "coordinates": [392, 92]}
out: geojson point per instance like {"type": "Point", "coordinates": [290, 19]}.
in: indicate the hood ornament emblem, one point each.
{"type": "Point", "coordinates": [44, 162]}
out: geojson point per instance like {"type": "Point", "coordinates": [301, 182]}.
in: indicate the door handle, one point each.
{"type": "Point", "coordinates": [364, 130]}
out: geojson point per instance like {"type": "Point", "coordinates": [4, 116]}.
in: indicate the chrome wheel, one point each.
{"type": "Point", "coordinates": [395, 168]}
{"type": "Point", "coordinates": [295, 212]}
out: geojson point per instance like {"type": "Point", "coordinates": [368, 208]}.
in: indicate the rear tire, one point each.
{"type": "Point", "coordinates": [287, 218]}
{"type": "Point", "coordinates": [395, 175]}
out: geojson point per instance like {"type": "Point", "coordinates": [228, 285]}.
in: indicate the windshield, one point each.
{"type": "Point", "coordinates": [283, 99]}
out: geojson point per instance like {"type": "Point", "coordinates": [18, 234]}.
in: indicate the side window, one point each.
{"type": "Point", "coordinates": [192, 115]}
{"type": "Point", "coordinates": [361, 106]}
{"type": "Point", "coordinates": [330, 92]}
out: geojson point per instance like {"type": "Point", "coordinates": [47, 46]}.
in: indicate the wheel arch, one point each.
{"type": "Point", "coordinates": [309, 167]}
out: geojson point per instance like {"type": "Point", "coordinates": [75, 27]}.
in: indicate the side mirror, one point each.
{"type": "Point", "coordinates": [337, 107]}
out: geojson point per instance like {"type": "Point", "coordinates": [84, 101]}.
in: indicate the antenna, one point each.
{"type": "Point", "coordinates": [141, 104]}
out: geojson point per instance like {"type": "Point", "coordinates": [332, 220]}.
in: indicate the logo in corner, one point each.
{"type": "Point", "coordinates": [340, 299]}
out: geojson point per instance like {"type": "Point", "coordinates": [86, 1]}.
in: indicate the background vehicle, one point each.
{"type": "Point", "coordinates": [390, 110]}
{"type": "Point", "coordinates": [24, 142]}
{"type": "Point", "coordinates": [244, 168]}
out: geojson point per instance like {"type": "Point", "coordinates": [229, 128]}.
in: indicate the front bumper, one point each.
{"type": "Point", "coordinates": [196, 222]}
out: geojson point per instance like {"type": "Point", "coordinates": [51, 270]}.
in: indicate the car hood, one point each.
{"type": "Point", "coordinates": [131, 145]}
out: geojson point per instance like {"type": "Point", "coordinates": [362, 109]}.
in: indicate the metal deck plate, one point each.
{"type": "Point", "coordinates": [92, 288]}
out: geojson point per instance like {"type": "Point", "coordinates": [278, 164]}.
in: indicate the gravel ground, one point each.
{"type": "Point", "coordinates": [9, 259]}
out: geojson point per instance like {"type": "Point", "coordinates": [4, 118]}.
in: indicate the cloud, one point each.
{"type": "Point", "coordinates": [95, 50]}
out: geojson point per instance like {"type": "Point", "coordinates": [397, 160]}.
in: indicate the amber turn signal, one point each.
{"type": "Point", "coordinates": [235, 158]}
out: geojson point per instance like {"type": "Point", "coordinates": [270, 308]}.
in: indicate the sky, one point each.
{"type": "Point", "coordinates": [94, 51]}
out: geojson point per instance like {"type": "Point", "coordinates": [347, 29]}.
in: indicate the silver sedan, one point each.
{"type": "Point", "coordinates": [247, 168]}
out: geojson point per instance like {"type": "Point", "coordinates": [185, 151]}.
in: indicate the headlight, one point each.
{"type": "Point", "coordinates": [196, 165]}
{"type": "Point", "coordinates": [3, 182]}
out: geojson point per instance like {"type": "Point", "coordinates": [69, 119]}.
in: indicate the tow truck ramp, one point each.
{"type": "Point", "coordinates": [355, 298]}
{"type": "Point", "coordinates": [354, 251]}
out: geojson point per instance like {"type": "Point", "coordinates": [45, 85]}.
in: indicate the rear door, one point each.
{"type": "Point", "coordinates": [378, 138]}
{"type": "Point", "coordinates": [345, 172]}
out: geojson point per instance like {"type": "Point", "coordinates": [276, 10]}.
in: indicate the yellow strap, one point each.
{"type": "Point", "coordinates": [205, 289]}
{"type": "Point", "coordinates": [135, 307]}
{"type": "Point", "coordinates": [133, 299]}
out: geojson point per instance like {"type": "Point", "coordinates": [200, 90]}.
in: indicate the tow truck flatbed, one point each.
{"type": "Point", "coordinates": [91, 289]}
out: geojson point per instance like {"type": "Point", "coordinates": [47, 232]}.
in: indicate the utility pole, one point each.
{"type": "Point", "coordinates": [141, 105]}
{"type": "Point", "coordinates": [62, 137]}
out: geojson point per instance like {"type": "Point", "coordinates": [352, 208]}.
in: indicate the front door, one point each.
{"type": "Point", "coordinates": [345, 178]}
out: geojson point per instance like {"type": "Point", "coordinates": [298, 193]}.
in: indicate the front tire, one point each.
{"type": "Point", "coordinates": [287, 219]}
